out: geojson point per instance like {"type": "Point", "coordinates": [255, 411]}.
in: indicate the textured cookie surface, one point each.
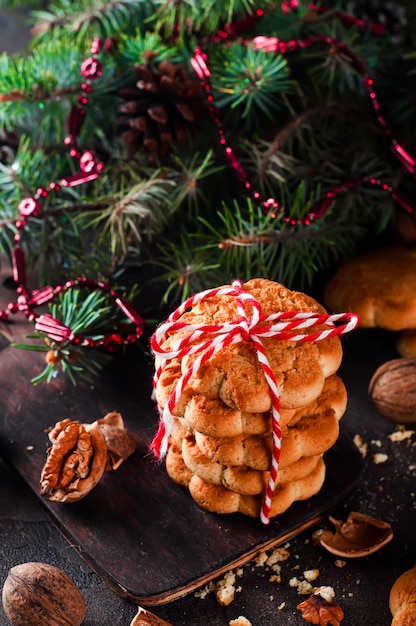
{"type": "Point", "coordinates": [234, 374]}
{"type": "Point", "coordinates": [313, 434]}
{"type": "Point", "coordinates": [219, 499]}
{"type": "Point", "coordinates": [242, 478]}
{"type": "Point", "coordinates": [215, 419]}
{"type": "Point", "coordinates": [380, 286]}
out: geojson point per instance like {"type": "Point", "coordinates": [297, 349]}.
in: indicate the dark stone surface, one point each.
{"type": "Point", "coordinates": [387, 491]}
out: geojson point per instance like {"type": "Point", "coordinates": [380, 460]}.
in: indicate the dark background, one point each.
{"type": "Point", "coordinates": [386, 491]}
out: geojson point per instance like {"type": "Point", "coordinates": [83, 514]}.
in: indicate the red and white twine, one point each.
{"type": "Point", "coordinates": [247, 327]}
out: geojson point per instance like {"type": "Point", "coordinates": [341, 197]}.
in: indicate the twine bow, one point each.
{"type": "Point", "coordinates": [248, 327]}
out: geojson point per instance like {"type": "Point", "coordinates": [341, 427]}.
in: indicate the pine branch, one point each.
{"type": "Point", "coordinates": [88, 315]}
{"type": "Point", "coordinates": [186, 18]}
{"type": "Point", "coordinates": [282, 137]}
{"type": "Point", "coordinates": [87, 18]}
{"type": "Point", "coordinates": [250, 83]}
{"type": "Point", "coordinates": [132, 213]}
{"type": "Point", "coordinates": [184, 268]}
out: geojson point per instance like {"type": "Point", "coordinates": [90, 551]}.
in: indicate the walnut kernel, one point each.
{"type": "Point", "coordinates": [317, 609]}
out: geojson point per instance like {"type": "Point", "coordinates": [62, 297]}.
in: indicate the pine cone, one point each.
{"type": "Point", "coordinates": [160, 109]}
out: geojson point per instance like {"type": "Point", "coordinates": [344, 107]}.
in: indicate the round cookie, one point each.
{"type": "Point", "coordinates": [313, 434]}
{"type": "Point", "coordinates": [379, 286]}
{"type": "Point", "coordinates": [176, 468]}
{"type": "Point", "coordinates": [406, 343]}
{"type": "Point", "coordinates": [234, 374]}
{"type": "Point", "coordinates": [215, 419]}
{"type": "Point", "coordinates": [241, 479]}
{"type": "Point", "coordinates": [219, 499]}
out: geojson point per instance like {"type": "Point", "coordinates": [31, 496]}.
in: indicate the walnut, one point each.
{"type": "Point", "coordinates": [145, 618]}
{"type": "Point", "coordinates": [392, 390]}
{"type": "Point", "coordinates": [80, 454]}
{"type": "Point", "coordinates": [358, 536]}
{"type": "Point", "coordinates": [320, 610]}
{"type": "Point", "coordinates": [42, 595]}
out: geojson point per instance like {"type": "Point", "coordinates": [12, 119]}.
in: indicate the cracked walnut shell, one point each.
{"type": "Point", "coordinates": [358, 536]}
{"type": "Point", "coordinates": [80, 454]}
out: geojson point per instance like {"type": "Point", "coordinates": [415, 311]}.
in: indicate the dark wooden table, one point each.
{"type": "Point", "coordinates": [385, 490]}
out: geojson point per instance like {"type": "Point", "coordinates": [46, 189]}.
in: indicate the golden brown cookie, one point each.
{"type": "Point", "coordinates": [234, 374]}
{"type": "Point", "coordinates": [168, 379]}
{"type": "Point", "coordinates": [219, 499]}
{"type": "Point", "coordinates": [379, 286]}
{"type": "Point", "coordinates": [176, 468]}
{"type": "Point", "coordinates": [406, 343]}
{"type": "Point", "coordinates": [402, 599]}
{"type": "Point", "coordinates": [314, 433]}
{"type": "Point", "coordinates": [241, 479]}
{"type": "Point", "coordinates": [215, 419]}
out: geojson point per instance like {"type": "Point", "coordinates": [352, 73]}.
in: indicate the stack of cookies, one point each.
{"type": "Point", "coordinates": [221, 443]}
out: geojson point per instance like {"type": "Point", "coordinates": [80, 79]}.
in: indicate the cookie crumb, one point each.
{"type": "Point", "coordinates": [240, 621]}
{"type": "Point", "coordinates": [225, 589]}
{"type": "Point", "coordinates": [379, 458]}
{"type": "Point", "coordinates": [278, 555]}
{"type": "Point", "coordinates": [303, 586]}
{"type": "Point", "coordinates": [311, 574]}
{"type": "Point", "coordinates": [361, 445]}
{"type": "Point", "coordinates": [205, 591]}
{"type": "Point", "coordinates": [260, 559]}
{"type": "Point", "coordinates": [276, 578]}
{"type": "Point", "coordinates": [327, 593]}
{"type": "Point", "coordinates": [401, 435]}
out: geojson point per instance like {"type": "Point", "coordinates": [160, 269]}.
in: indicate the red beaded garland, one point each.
{"type": "Point", "coordinates": [199, 63]}
{"type": "Point", "coordinates": [27, 301]}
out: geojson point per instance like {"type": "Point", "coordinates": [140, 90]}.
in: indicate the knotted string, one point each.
{"type": "Point", "coordinates": [248, 327]}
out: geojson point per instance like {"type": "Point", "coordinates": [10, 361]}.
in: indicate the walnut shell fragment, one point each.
{"type": "Point", "coordinates": [359, 536]}
{"type": "Point", "coordinates": [392, 390]}
{"type": "Point", "coordinates": [321, 609]}
{"type": "Point", "coordinates": [119, 443]}
{"type": "Point", "coordinates": [42, 595]}
{"type": "Point", "coordinates": [80, 454]}
{"type": "Point", "coordinates": [145, 618]}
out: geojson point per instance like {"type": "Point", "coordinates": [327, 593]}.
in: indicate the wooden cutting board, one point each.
{"type": "Point", "coordinates": [138, 530]}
